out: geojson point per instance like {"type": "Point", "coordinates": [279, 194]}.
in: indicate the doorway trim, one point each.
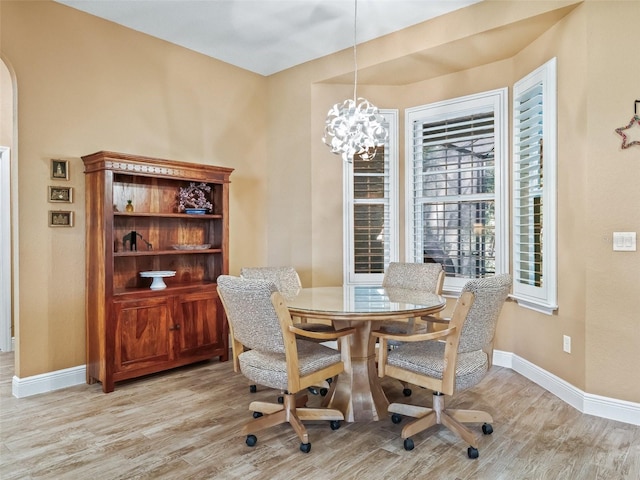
{"type": "Point", "coordinates": [5, 250]}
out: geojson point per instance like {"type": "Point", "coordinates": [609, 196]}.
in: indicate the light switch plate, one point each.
{"type": "Point", "coordinates": [624, 241]}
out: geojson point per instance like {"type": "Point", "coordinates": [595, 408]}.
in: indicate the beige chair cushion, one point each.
{"type": "Point", "coordinates": [427, 358]}
{"type": "Point", "coordinates": [270, 369]}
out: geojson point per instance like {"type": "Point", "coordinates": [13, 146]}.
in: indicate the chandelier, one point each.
{"type": "Point", "coordinates": [355, 126]}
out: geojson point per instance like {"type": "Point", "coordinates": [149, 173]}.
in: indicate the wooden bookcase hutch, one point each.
{"type": "Point", "coordinates": [131, 329]}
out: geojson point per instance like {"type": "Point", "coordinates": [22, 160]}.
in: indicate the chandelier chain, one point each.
{"type": "Point", "coordinates": [355, 52]}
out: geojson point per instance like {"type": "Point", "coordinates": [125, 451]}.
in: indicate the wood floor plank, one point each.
{"type": "Point", "coordinates": [185, 424]}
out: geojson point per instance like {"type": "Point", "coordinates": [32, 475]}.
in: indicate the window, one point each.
{"type": "Point", "coordinates": [371, 210]}
{"type": "Point", "coordinates": [534, 189]}
{"type": "Point", "coordinates": [456, 172]}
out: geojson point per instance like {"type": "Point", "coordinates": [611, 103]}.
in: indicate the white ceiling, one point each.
{"type": "Point", "coordinates": [266, 36]}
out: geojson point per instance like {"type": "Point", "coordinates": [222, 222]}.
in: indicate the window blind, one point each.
{"type": "Point", "coordinates": [371, 227]}
{"type": "Point", "coordinates": [454, 193]}
{"type": "Point", "coordinates": [371, 222]}
{"type": "Point", "coordinates": [528, 187]}
{"type": "Point", "coordinates": [534, 189]}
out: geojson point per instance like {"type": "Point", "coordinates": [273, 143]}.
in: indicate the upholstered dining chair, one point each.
{"type": "Point", "coordinates": [447, 361]}
{"type": "Point", "coordinates": [414, 276]}
{"type": "Point", "coordinates": [427, 277]}
{"type": "Point", "coordinates": [269, 351]}
{"type": "Point", "coordinates": [287, 281]}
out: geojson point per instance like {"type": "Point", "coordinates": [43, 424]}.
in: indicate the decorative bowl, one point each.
{"type": "Point", "coordinates": [204, 246]}
{"type": "Point", "coordinates": [195, 211]}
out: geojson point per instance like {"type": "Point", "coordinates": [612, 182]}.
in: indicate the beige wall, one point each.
{"type": "Point", "coordinates": [613, 202]}
{"type": "Point", "coordinates": [566, 31]}
{"type": "Point", "coordinates": [86, 85]}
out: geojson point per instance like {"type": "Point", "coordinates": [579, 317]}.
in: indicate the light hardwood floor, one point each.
{"type": "Point", "coordinates": [185, 424]}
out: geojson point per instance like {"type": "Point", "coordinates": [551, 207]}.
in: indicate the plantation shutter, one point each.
{"type": "Point", "coordinates": [534, 189]}
{"type": "Point", "coordinates": [371, 210]}
{"type": "Point", "coordinates": [529, 185]}
{"type": "Point", "coordinates": [371, 220]}
{"type": "Point", "coordinates": [453, 174]}
{"type": "Point", "coordinates": [456, 178]}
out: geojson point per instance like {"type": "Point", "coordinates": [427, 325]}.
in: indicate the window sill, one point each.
{"type": "Point", "coordinates": [537, 306]}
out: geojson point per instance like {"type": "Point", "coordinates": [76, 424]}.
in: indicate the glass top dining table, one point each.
{"type": "Point", "coordinates": [358, 392]}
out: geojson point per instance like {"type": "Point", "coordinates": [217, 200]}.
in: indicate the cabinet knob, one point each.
{"type": "Point", "coordinates": [175, 327]}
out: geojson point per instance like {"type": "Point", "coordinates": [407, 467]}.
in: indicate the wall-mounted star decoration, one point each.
{"type": "Point", "coordinates": [634, 121]}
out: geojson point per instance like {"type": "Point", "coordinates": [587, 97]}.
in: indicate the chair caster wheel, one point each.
{"type": "Point", "coordinates": [408, 444]}
{"type": "Point", "coordinates": [305, 447]}
{"type": "Point", "coordinates": [335, 424]}
{"type": "Point", "coordinates": [323, 392]}
{"type": "Point", "coordinates": [253, 388]}
{"type": "Point", "coordinates": [395, 418]}
{"type": "Point", "coordinates": [280, 399]}
{"type": "Point", "coordinates": [472, 452]}
{"type": "Point", "coordinates": [487, 429]}
{"type": "Point", "coordinates": [313, 390]}
{"type": "Point", "coordinates": [257, 414]}
{"type": "Point", "coordinates": [407, 392]}
{"type": "Point", "coordinates": [329, 380]}
{"type": "Point", "coordinates": [251, 440]}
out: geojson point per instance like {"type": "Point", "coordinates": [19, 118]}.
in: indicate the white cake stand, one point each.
{"type": "Point", "coordinates": [158, 275]}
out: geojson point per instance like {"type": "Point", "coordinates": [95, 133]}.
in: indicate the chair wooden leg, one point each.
{"type": "Point", "coordinates": [291, 411]}
{"type": "Point", "coordinates": [265, 421]}
{"type": "Point", "coordinates": [298, 427]}
{"type": "Point", "coordinates": [419, 425]}
{"type": "Point", "coordinates": [414, 411]}
{"type": "Point", "coordinates": [265, 408]}
{"type": "Point", "coordinates": [319, 414]}
{"type": "Point", "coordinates": [327, 398]}
{"type": "Point", "coordinates": [439, 415]}
{"type": "Point", "coordinates": [459, 429]}
{"type": "Point", "coordinates": [470, 416]}
{"type": "Point", "coordinates": [295, 415]}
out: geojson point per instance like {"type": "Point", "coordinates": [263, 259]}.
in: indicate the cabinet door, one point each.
{"type": "Point", "coordinates": [142, 337]}
{"type": "Point", "coordinates": [201, 320]}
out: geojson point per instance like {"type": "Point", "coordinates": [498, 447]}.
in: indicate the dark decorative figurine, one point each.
{"type": "Point", "coordinates": [131, 238]}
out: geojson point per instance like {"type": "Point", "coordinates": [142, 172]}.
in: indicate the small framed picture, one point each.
{"type": "Point", "coordinates": [60, 194]}
{"type": "Point", "coordinates": [60, 169]}
{"type": "Point", "coordinates": [60, 218]}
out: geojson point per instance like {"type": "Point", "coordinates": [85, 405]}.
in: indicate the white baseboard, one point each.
{"type": "Point", "coordinates": [611, 408]}
{"type": "Point", "coordinates": [48, 382]}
